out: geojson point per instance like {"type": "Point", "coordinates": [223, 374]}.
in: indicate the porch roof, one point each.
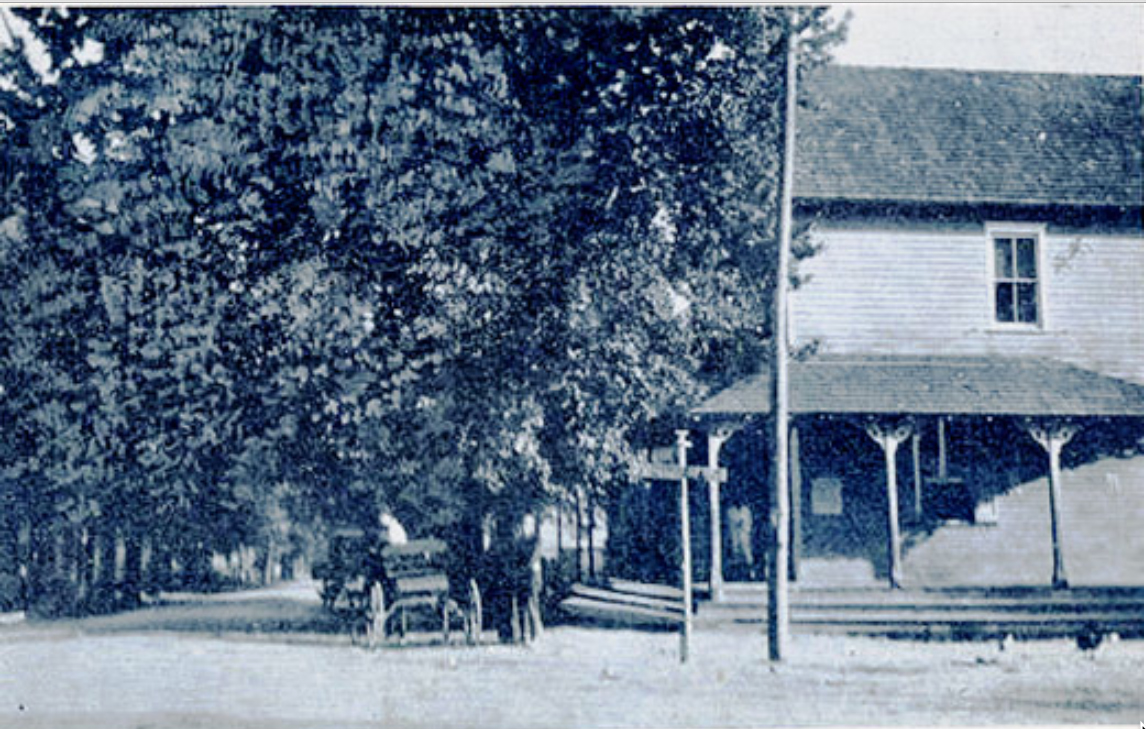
{"type": "Point", "coordinates": [873, 384]}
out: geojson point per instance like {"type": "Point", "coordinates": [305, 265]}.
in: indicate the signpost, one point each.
{"type": "Point", "coordinates": [682, 472]}
{"type": "Point", "coordinates": [682, 446]}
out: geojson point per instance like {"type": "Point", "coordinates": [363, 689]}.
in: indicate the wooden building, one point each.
{"type": "Point", "coordinates": [967, 402]}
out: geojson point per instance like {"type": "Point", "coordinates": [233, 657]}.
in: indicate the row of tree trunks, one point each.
{"type": "Point", "coordinates": [58, 569]}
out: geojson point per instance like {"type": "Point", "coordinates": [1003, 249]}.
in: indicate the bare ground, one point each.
{"type": "Point", "coordinates": [271, 658]}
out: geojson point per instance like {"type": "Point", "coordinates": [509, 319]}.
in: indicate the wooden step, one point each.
{"type": "Point", "coordinates": [629, 587]}
{"type": "Point", "coordinates": [949, 600]}
{"type": "Point", "coordinates": [964, 631]}
{"type": "Point", "coordinates": [622, 598]}
{"type": "Point", "coordinates": [961, 613]}
{"type": "Point", "coordinates": [919, 612]}
{"type": "Point", "coordinates": [626, 603]}
{"type": "Point", "coordinates": [938, 617]}
{"type": "Point", "coordinates": [1045, 610]}
{"type": "Point", "coordinates": [614, 613]}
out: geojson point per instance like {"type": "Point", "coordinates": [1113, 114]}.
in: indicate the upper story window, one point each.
{"type": "Point", "coordinates": [1016, 277]}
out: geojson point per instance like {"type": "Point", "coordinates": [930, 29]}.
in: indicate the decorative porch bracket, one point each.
{"type": "Point", "coordinates": [889, 436]}
{"type": "Point", "coordinates": [1052, 435]}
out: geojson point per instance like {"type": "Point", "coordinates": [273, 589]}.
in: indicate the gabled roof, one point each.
{"type": "Point", "coordinates": [939, 136]}
{"type": "Point", "coordinates": [924, 385]}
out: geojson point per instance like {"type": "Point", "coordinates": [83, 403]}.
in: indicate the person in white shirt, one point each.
{"type": "Point", "coordinates": [391, 530]}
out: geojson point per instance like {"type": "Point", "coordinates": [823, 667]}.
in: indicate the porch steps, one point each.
{"type": "Point", "coordinates": [947, 613]}
{"type": "Point", "coordinates": [624, 603]}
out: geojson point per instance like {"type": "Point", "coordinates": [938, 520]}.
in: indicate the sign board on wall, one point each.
{"type": "Point", "coordinates": [827, 497]}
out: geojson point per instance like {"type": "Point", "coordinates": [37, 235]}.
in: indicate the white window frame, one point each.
{"type": "Point", "coordinates": [1017, 230]}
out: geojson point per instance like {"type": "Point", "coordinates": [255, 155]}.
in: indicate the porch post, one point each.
{"type": "Point", "coordinates": [917, 475]}
{"type": "Point", "coordinates": [942, 448]}
{"type": "Point", "coordinates": [1052, 436]}
{"type": "Point", "coordinates": [797, 486]}
{"type": "Point", "coordinates": [716, 560]}
{"type": "Point", "coordinates": [889, 437]}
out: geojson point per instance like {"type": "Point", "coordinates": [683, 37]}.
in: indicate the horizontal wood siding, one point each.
{"type": "Point", "coordinates": [1094, 303]}
{"type": "Point", "coordinates": [898, 290]}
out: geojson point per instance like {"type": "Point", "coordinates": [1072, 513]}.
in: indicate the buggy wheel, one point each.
{"type": "Point", "coordinates": [473, 617]}
{"type": "Point", "coordinates": [375, 615]}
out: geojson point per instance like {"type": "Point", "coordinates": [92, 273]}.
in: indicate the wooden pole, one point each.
{"type": "Point", "coordinates": [917, 475]}
{"type": "Point", "coordinates": [797, 485]}
{"type": "Point", "coordinates": [942, 449]}
{"type": "Point", "coordinates": [778, 574]}
{"type": "Point", "coordinates": [682, 446]}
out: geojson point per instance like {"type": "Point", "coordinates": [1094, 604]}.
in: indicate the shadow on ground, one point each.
{"type": "Point", "coordinates": [287, 610]}
{"type": "Point", "coordinates": [291, 613]}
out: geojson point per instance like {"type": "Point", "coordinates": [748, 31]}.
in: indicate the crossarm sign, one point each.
{"type": "Point", "coordinates": [672, 472]}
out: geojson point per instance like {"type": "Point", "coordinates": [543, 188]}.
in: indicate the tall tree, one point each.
{"type": "Point", "coordinates": [453, 262]}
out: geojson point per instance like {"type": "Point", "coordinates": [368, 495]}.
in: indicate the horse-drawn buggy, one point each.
{"type": "Point", "coordinates": [385, 589]}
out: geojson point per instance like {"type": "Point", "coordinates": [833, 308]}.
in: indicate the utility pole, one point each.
{"type": "Point", "coordinates": [781, 507]}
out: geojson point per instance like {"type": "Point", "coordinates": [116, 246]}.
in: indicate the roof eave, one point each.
{"type": "Point", "coordinates": [816, 199]}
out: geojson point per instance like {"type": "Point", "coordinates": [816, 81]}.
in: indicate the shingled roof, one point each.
{"type": "Point", "coordinates": [934, 385]}
{"type": "Point", "coordinates": [939, 136]}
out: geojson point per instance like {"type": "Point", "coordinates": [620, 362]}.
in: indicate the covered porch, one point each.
{"type": "Point", "coordinates": [935, 472]}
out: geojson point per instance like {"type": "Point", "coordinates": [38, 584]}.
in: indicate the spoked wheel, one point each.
{"type": "Point", "coordinates": [375, 614]}
{"type": "Point", "coordinates": [473, 615]}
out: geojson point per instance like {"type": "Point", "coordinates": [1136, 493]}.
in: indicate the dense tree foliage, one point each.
{"type": "Point", "coordinates": [268, 269]}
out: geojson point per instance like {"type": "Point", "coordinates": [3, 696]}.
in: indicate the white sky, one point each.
{"type": "Point", "coordinates": [1098, 38]}
{"type": "Point", "coordinates": [1104, 38]}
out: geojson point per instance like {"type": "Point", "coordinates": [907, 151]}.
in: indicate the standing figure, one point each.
{"type": "Point", "coordinates": [742, 558]}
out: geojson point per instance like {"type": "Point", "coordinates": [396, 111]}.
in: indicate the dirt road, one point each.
{"type": "Point", "coordinates": [272, 659]}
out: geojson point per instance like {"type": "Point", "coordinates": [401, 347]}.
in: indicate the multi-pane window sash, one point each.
{"type": "Point", "coordinates": [1016, 280]}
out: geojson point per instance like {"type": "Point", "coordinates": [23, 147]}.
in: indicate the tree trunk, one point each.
{"type": "Point", "coordinates": [36, 565]}
{"type": "Point", "coordinates": [104, 543]}
{"type": "Point", "coordinates": [536, 588]}
{"type": "Point", "coordinates": [83, 567]}
{"type": "Point", "coordinates": [578, 527]}
{"type": "Point", "coordinates": [592, 504]}
{"type": "Point", "coordinates": [132, 585]}
{"type": "Point", "coordinates": [11, 583]}
{"type": "Point", "coordinates": [161, 573]}
{"type": "Point", "coordinates": [64, 570]}
{"type": "Point", "coordinates": [270, 562]}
